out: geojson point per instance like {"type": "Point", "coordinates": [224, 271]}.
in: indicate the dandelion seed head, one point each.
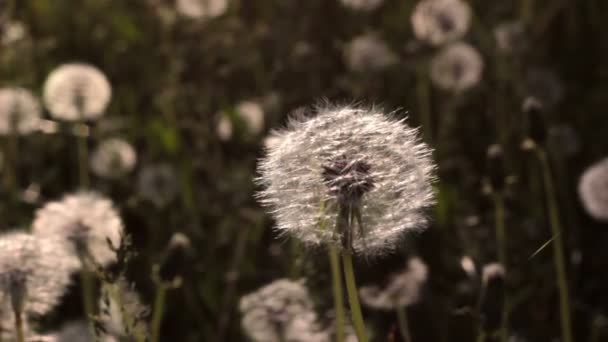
{"type": "Point", "coordinates": [369, 148]}
{"type": "Point", "coordinates": [114, 305]}
{"type": "Point", "coordinates": [437, 22]}
{"type": "Point", "coordinates": [34, 273]}
{"type": "Point", "coordinates": [280, 311]}
{"type": "Point", "coordinates": [457, 67]}
{"type": "Point", "coordinates": [19, 111]}
{"type": "Point", "coordinates": [252, 114]}
{"type": "Point", "coordinates": [362, 5]}
{"type": "Point", "coordinates": [403, 288]}
{"type": "Point", "coordinates": [12, 32]}
{"type": "Point", "coordinates": [86, 220]}
{"type": "Point", "coordinates": [510, 37]}
{"type": "Point", "coordinates": [158, 184]}
{"type": "Point", "coordinates": [468, 266]}
{"type": "Point", "coordinates": [77, 92]}
{"type": "Point", "coordinates": [593, 190]}
{"type": "Point", "coordinates": [367, 53]}
{"type": "Point", "coordinates": [201, 9]}
{"type": "Point", "coordinates": [113, 158]}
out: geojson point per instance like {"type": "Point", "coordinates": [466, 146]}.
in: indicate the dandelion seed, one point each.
{"type": "Point", "coordinates": [34, 273]}
{"type": "Point", "coordinates": [158, 184]}
{"type": "Point", "coordinates": [280, 311]}
{"type": "Point", "coordinates": [86, 220]}
{"type": "Point", "coordinates": [441, 21]}
{"type": "Point", "coordinates": [510, 37]}
{"type": "Point", "coordinates": [252, 114]}
{"type": "Point", "coordinates": [19, 111]}
{"type": "Point", "coordinates": [403, 288]}
{"type": "Point", "coordinates": [457, 67]}
{"type": "Point", "coordinates": [367, 53]}
{"type": "Point", "coordinates": [113, 158]}
{"type": "Point", "coordinates": [175, 259]}
{"type": "Point", "coordinates": [593, 190]}
{"type": "Point", "coordinates": [345, 156]}
{"type": "Point", "coordinates": [77, 92]}
{"type": "Point", "coordinates": [271, 141]}
{"type": "Point", "coordinates": [362, 5]}
{"type": "Point", "coordinates": [202, 9]}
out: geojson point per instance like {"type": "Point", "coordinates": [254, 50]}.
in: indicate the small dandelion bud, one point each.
{"type": "Point", "coordinates": [593, 190]}
{"type": "Point", "coordinates": [437, 22]}
{"type": "Point", "coordinates": [87, 220]}
{"type": "Point", "coordinates": [492, 296]}
{"type": "Point", "coordinates": [361, 5]}
{"type": "Point", "coordinates": [510, 37]}
{"type": "Point", "coordinates": [77, 92]}
{"type": "Point", "coordinates": [201, 9]}
{"type": "Point", "coordinates": [495, 168]}
{"type": "Point", "coordinates": [468, 266]}
{"type": "Point", "coordinates": [403, 288]}
{"type": "Point", "coordinates": [175, 259]}
{"type": "Point", "coordinates": [536, 126]}
{"type": "Point", "coordinates": [457, 67]}
{"type": "Point", "coordinates": [350, 166]}
{"type": "Point", "coordinates": [368, 53]}
{"type": "Point", "coordinates": [158, 184]}
{"type": "Point", "coordinates": [19, 111]}
{"type": "Point", "coordinates": [113, 158]}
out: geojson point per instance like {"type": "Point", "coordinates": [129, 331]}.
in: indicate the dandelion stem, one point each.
{"type": "Point", "coordinates": [159, 307]}
{"type": "Point", "coordinates": [558, 249]}
{"type": "Point", "coordinates": [353, 296]}
{"type": "Point", "coordinates": [422, 92]}
{"type": "Point", "coordinates": [338, 295]}
{"type": "Point", "coordinates": [83, 157]}
{"type": "Point", "coordinates": [19, 327]}
{"type": "Point", "coordinates": [501, 242]}
{"type": "Point", "coordinates": [403, 325]}
{"type": "Point", "coordinates": [88, 297]}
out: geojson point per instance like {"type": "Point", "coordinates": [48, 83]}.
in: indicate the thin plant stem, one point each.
{"type": "Point", "coordinates": [481, 336]}
{"type": "Point", "coordinates": [159, 308]}
{"type": "Point", "coordinates": [501, 242]}
{"type": "Point", "coordinates": [353, 296]}
{"type": "Point", "coordinates": [88, 297]}
{"type": "Point", "coordinates": [83, 160]}
{"type": "Point", "coordinates": [19, 327]}
{"type": "Point", "coordinates": [403, 324]}
{"type": "Point", "coordinates": [527, 10]}
{"type": "Point", "coordinates": [424, 104]}
{"type": "Point", "coordinates": [10, 163]}
{"type": "Point", "coordinates": [558, 249]}
{"type": "Point", "coordinates": [336, 275]}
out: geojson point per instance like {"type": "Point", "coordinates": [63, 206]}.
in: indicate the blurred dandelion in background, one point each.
{"type": "Point", "coordinates": [87, 220]}
{"type": "Point", "coordinates": [19, 111]}
{"type": "Point", "coordinates": [437, 22]}
{"type": "Point", "coordinates": [201, 9]}
{"type": "Point", "coordinates": [545, 86]}
{"type": "Point", "coordinates": [362, 5]}
{"type": "Point", "coordinates": [593, 190]}
{"type": "Point", "coordinates": [511, 37]}
{"type": "Point", "coordinates": [77, 92]}
{"type": "Point", "coordinates": [252, 114]}
{"type": "Point", "coordinates": [223, 127]}
{"type": "Point", "coordinates": [12, 32]}
{"type": "Point", "coordinates": [158, 184]}
{"type": "Point", "coordinates": [457, 67]}
{"type": "Point", "coordinates": [367, 53]}
{"type": "Point", "coordinates": [113, 158]}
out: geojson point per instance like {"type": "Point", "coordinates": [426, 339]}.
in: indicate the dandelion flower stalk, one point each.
{"type": "Point", "coordinates": [501, 241]}
{"type": "Point", "coordinates": [424, 104]}
{"type": "Point", "coordinates": [159, 308]}
{"type": "Point", "coordinates": [83, 157]}
{"type": "Point", "coordinates": [336, 274]}
{"type": "Point", "coordinates": [353, 296]}
{"type": "Point", "coordinates": [558, 248]}
{"type": "Point", "coordinates": [11, 148]}
{"type": "Point", "coordinates": [403, 325]}
{"type": "Point", "coordinates": [19, 326]}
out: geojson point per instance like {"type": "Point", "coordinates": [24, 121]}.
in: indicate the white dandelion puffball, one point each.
{"type": "Point", "coordinates": [593, 190]}
{"type": "Point", "coordinates": [12, 32]}
{"type": "Point", "coordinates": [347, 157]}
{"type": "Point", "coordinates": [457, 67]}
{"type": "Point", "coordinates": [113, 158]}
{"type": "Point", "coordinates": [368, 53]}
{"type": "Point", "coordinates": [77, 92]}
{"type": "Point", "coordinates": [86, 220]}
{"type": "Point", "coordinates": [280, 311]}
{"type": "Point", "coordinates": [19, 111]}
{"type": "Point", "coordinates": [201, 9]}
{"type": "Point", "coordinates": [403, 288]}
{"type": "Point", "coordinates": [158, 184]}
{"type": "Point", "coordinates": [437, 22]}
{"type": "Point", "coordinates": [252, 114]}
{"type": "Point", "coordinates": [362, 5]}
{"type": "Point", "coordinates": [34, 272]}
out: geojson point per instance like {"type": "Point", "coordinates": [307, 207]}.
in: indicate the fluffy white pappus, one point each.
{"type": "Point", "coordinates": [368, 53]}
{"type": "Point", "coordinates": [437, 22]}
{"type": "Point", "coordinates": [281, 311]}
{"type": "Point", "coordinates": [201, 9]}
{"type": "Point", "coordinates": [158, 184]}
{"type": "Point", "coordinates": [457, 67]}
{"type": "Point", "coordinates": [403, 288]}
{"type": "Point", "coordinates": [362, 5]}
{"type": "Point", "coordinates": [400, 170]}
{"type": "Point", "coordinates": [593, 190]}
{"type": "Point", "coordinates": [113, 158]}
{"type": "Point", "coordinates": [19, 111]}
{"type": "Point", "coordinates": [77, 92]}
{"type": "Point", "coordinates": [34, 273]}
{"type": "Point", "coordinates": [252, 114]}
{"type": "Point", "coordinates": [86, 220]}
{"type": "Point", "coordinates": [122, 313]}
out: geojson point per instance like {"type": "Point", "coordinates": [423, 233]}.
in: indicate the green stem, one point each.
{"type": "Point", "coordinates": [558, 249]}
{"type": "Point", "coordinates": [481, 335]}
{"type": "Point", "coordinates": [10, 163]}
{"type": "Point", "coordinates": [159, 307]}
{"type": "Point", "coordinates": [83, 161]}
{"type": "Point", "coordinates": [19, 327]}
{"type": "Point", "coordinates": [422, 92]}
{"type": "Point", "coordinates": [338, 295]}
{"type": "Point", "coordinates": [88, 296]}
{"type": "Point", "coordinates": [353, 296]}
{"type": "Point", "coordinates": [403, 325]}
{"type": "Point", "coordinates": [501, 241]}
